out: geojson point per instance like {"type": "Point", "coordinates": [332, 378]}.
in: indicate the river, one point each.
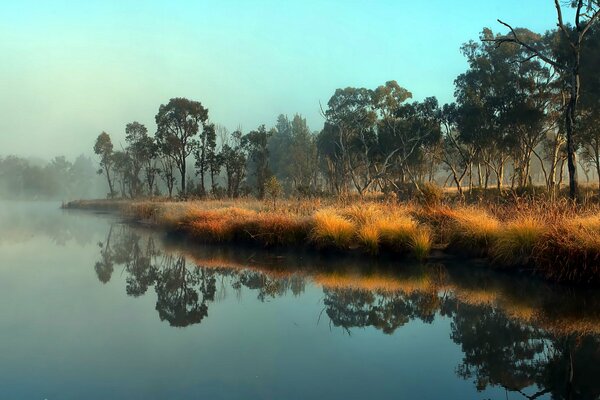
{"type": "Point", "coordinates": [94, 308]}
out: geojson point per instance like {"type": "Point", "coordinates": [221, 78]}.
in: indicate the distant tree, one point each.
{"type": "Point", "coordinates": [179, 122]}
{"type": "Point", "coordinates": [136, 135]}
{"type": "Point", "coordinates": [104, 148]}
{"type": "Point", "coordinates": [234, 156]}
{"type": "Point", "coordinates": [167, 149]}
{"type": "Point", "coordinates": [279, 148]}
{"type": "Point", "coordinates": [257, 143]}
{"type": "Point", "coordinates": [205, 154]}
{"type": "Point", "coordinates": [302, 161]}
{"type": "Point", "coordinates": [122, 166]}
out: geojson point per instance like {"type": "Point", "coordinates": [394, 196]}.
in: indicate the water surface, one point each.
{"type": "Point", "coordinates": [93, 308]}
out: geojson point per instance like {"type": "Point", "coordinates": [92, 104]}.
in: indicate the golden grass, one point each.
{"type": "Point", "coordinates": [515, 243]}
{"type": "Point", "coordinates": [368, 237]}
{"type": "Point", "coordinates": [559, 240]}
{"type": "Point", "coordinates": [397, 230]}
{"type": "Point", "coordinates": [474, 227]}
{"type": "Point", "coordinates": [331, 229]}
{"type": "Point", "coordinates": [420, 244]}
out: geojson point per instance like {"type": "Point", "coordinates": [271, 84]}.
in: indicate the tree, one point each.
{"type": "Point", "coordinates": [205, 154]}
{"type": "Point", "coordinates": [587, 13]}
{"type": "Point", "coordinates": [179, 122]}
{"type": "Point", "coordinates": [302, 157]}
{"type": "Point", "coordinates": [135, 136]}
{"type": "Point", "coordinates": [104, 148]}
{"type": "Point", "coordinates": [167, 149]}
{"type": "Point", "coordinates": [234, 159]}
{"type": "Point", "coordinates": [279, 148]}
{"type": "Point", "coordinates": [257, 142]}
{"type": "Point", "coordinates": [122, 165]}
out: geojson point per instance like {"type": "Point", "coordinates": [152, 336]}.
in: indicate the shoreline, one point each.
{"type": "Point", "coordinates": [559, 248]}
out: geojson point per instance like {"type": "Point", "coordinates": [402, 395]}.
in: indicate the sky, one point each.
{"type": "Point", "coordinates": [72, 69]}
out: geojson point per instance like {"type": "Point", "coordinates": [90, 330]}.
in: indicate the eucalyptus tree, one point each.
{"type": "Point", "coordinates": [167, 155]}
{"type": "Point", "coordinates": [418, 132]}
{"type": "Point", "coordinates": [123, 172]}
{"type": "Point", "coordinates": [352, 116]}
{"type": "Point", "coordinates": [135, 134]}
{"type": "Point", "coordinates": [589, 118]}
{"type": "Point", "coordinates": [234, 155]}
{"type": "Point", "coordinates": [455, 156]}
{"type": "Point", "coordinates": [178, 123]}
{"type": "Point", "coordinates": [302, 161]}
{"type": "Point", "coordinates": [205, 153]}
{"type": "Point", "coordinates": [258, 152]}
{"type": "Point", "coordinates": [104, 148]}
{"type": "Point", "coordinates": [587, 14]}
{"type": "Point", "coordinates": [279, 148]}
{"type": "Point", "coordinates": [500, 107]}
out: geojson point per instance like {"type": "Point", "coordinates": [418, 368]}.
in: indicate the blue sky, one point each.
{"type": "Point", "coordinates": [71, 69]}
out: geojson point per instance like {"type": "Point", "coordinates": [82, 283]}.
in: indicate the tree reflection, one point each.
{"type": "Point", "coordinates": [105, 266]}
{"type": "Point", "coordinates": [516, 356]}
{"type": "Point", "coordinates": [359, 308]}
{"type": "Point", "coordinates": [183, 292]}
{"type": "Point", "coordinates": [528, 356]}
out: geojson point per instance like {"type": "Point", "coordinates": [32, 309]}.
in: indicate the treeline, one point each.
{"type": "Point", "coordinates": [59, 179]}
{"type": "Point", "coordinates": [513, 113]}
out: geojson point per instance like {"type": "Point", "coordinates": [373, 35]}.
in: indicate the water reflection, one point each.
{"type": "Point", "coordinates": [530, 338]}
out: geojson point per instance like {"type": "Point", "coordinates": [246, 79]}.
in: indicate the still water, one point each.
{"type": "Point", "coordinates": [93, 308]}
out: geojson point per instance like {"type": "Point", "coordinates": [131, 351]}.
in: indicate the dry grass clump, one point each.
{"type": "Point", "coordinates": [585, 222]}
{"type": "Point", "coordinates": [570, 254]}
{"type": "Point", "coordinates": [368, 237]}
{"type": "Point", "coordinates": [469, 229]}
{"type": "Point", "coordinates": [420, 243]}
{"type": "Point", "coordinates": [277, 229]}
{"type": "Point", "coordinates": [363, 214]}
{"type": "Point", "coordinates": [514, 243]}
{"type": "Point", "coordinates": [397, 230]}
{"type": "Point", "coordinates": [332, 229]}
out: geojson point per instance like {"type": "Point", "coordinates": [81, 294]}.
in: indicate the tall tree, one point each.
{"type": "Point", "coordinates": [234, 159]}
{"type": "Point", "coordinates": [205, 153]}
{"type": "Point", "coordinates": [179, 122]}
{"type": "Point", "coordinates": [587, 13]}
{"type": "Point", "coordinates": [135, 135]}
{"type": "Point", "coordinates": [257, 143]}
{"type": "Point", "coordinates": [104, 148]}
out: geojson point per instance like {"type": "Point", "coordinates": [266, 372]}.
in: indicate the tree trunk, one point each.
{"type": "Point", "coordinates": [182, 170]}
{"type": "Point", "coordinates": [569, 125]}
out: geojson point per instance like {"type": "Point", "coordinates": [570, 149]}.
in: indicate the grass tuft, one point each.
{"type": "Point", "coordinates": [420, 243]}
{"type": "Point", "coordinates": [368, 237]}
{"type": "Point", "coordinates": [331, 229]}
{"type": "Point", "coordinates": [515, 243]}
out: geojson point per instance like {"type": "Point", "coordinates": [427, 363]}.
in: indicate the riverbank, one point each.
{"type": "Point", "coordinates": [558, 242]}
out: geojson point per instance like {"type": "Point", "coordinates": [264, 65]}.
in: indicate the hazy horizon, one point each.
{"type": "Point", "coordinates": [73, 70]}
